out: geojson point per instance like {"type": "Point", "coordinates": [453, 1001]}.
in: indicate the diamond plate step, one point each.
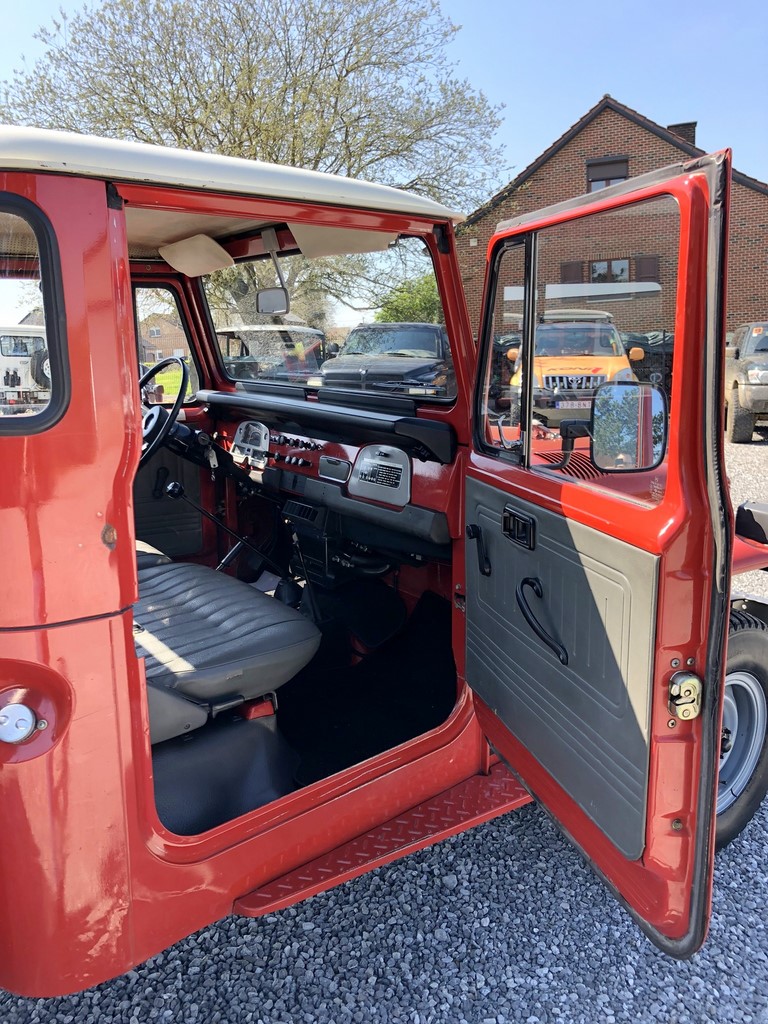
{"type": "Point", "coordinates": [470, 803]}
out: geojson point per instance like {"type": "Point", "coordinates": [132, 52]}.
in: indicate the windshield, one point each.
{"type": "Point", "coordinates": [757, 339]}
{"type": "Point", "coordinates": [400, 339]}
{"type": "Point", "coordinates": [577, 339]}
{"type": "Point", "coordinates": [351, 303]}
{"type": "Point", "coordinates": [260, 352]}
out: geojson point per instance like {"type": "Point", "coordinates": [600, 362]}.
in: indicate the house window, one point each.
{"type": "Point", "coordinates": [609, 271]}
{"type": "Point", "coordinates": [602, 173]}
{"type": "Point", "coordinates": [154, 332]}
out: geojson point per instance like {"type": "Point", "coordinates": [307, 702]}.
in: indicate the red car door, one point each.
{"type": "Point", "coordinates": [599, 528]}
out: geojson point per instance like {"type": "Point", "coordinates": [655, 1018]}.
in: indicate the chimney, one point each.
{"type": "Point", "coordinates": [686, 131]}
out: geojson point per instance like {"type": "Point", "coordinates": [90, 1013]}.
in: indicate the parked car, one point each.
{"type": "Point", "coordinates": [746, 381]}
{"type": "Point", "coordinates": [575, 351]}
{"type": "Point", "coordinates": [657, 347]}
{"type": "Point", "coordinates": [25, 373]}
{"type": "Point", "coordinates": [400, 358]}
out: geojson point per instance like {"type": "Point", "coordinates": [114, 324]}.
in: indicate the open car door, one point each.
{"type": "Point", "coordinates": [599, 529]}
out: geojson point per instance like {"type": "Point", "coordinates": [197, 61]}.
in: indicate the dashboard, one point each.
{"type": "Point", "coordinates": [348, 503]}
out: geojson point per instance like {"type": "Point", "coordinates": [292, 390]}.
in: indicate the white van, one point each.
{"type": "Point", "coordinates": [25, 373]}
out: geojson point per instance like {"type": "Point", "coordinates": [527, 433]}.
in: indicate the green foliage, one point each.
{"type": "Point", "coordinates": [415, 301]}
{"type": "Point", "coordinates": [355, 87]}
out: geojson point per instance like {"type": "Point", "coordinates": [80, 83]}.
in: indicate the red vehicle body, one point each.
{"type": "Point", "coordinates": [102, 879]}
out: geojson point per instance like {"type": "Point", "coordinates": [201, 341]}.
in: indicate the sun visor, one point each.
{"type": "Point", "coordinates": [317, 241]}
{"type": "Point", "coordinates": [196, 256]}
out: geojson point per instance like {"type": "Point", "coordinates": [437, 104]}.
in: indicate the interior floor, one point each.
{"type": "Point", "coordinates": [343, 708]}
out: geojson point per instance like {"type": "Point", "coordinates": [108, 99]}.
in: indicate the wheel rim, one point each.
{"type": "Point", "coordinates": [745, 717]}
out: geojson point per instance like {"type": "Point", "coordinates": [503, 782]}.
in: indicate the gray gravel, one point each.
{"type": "Point", "coordinates": [501, 924]}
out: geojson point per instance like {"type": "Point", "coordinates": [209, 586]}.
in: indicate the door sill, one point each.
{"type": "Point", "coordinates": [472, 802]}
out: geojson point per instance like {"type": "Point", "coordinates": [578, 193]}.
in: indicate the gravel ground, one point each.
{"type": "Point", "coordinates": [504, 923]}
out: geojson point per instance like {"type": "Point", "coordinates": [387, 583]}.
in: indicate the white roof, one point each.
{"type": "Point", "coordinates": [36, 149]}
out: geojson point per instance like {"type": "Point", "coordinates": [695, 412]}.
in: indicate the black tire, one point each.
{"type": "Point", "coordinates": [739, 422]}
{"type": "Point", "coordinates": [745, 763]}
{"type": "Point", "coordinates": [39, 367]}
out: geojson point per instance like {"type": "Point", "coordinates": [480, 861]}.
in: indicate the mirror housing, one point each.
{"type": "Point", "coordinates": [636, 354]}
{"type": "Point", "coordinates": [273, 300]}
{"type": "Point", "coordinates": [629, 427]}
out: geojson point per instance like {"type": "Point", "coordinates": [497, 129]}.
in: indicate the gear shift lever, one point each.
{"type": "Point", "coordinates": [175, 490]}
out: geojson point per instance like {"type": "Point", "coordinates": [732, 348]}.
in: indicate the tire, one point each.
{"type": "Point", "coordinates": [743, 775]}
{"type": "Point", "coordinates": [40, 368]}
{"type": "Point", "coordinates": [739, 422]}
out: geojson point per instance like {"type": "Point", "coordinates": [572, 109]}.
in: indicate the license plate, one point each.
{"type": "Point", "coordinates": [583, 404]}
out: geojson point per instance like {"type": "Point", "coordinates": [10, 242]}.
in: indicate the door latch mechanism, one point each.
{"type": "Point", "coordinates": [684, 696]}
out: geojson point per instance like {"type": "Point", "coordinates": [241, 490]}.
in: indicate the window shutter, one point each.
{"type": "Point", "coordinates": [647, 268]}
{"type": "Point", "coordinates": [606, 170]}
{"type": "Point", "coordinates": [572, 272]}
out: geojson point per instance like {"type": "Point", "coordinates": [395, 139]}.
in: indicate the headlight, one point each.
{"type": "Point", "coordinates": [625, 374]}
{"type": "Point", "coordinates": [757, 376]}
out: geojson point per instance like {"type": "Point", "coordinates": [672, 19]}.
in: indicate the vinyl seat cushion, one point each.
{"type": "Point", "coordinates": [206, 635]}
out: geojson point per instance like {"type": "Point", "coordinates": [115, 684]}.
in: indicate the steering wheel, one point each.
{"type": "Point", "coordinates": [157, 423]}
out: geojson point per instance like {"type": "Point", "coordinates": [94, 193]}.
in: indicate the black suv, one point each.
{"type": "Point", "coordinates": [403, 359]}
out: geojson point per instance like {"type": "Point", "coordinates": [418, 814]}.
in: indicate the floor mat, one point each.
{"type": "Point", "coordinates": [223, 770]}
{"type": "Point", "coordinates": [336, 717]}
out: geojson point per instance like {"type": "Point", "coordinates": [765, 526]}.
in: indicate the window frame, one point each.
{"type": "Point", "coordinates": [54, 313]}
{"type": "Point", "coordinates": [606, 179]}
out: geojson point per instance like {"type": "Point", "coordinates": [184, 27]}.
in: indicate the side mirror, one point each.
{"type": "Point", "coordinates": [629, 427]}
{"type": "Point", "coordinates": [272, 300]}
{"type": "Point", "coordinates": [731, 352]}
{"type": "Point", "coordinates": [636, 354]}
{"type": "Point", "coordinates": [513, 354]}
{"type": "Point", "coordinates": [332, 349]}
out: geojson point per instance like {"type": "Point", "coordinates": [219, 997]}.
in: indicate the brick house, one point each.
{"type": "Point", "coordinates": [610, 143]}
{"type": "Point", "coordinates": [161, 335]}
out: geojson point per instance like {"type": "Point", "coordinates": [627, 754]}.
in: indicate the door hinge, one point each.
{"type": "Point", "coordinates": [684, 696]}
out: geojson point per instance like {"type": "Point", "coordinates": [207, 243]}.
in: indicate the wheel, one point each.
{"type": "Point", "coordinates": [40, 368]}
{"type": "Point", "coordinates": [739, 422]}
{"type": "Point", "coordinates": [743, 778]}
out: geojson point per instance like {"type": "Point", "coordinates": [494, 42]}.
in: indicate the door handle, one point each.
{"type": "Point", "coordinates": [533, 622]}
{"type": "Point", "coordinates": [483, 562]}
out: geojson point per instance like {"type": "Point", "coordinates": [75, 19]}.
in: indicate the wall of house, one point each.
{"type": "Point", "coordinates": [565, 175]}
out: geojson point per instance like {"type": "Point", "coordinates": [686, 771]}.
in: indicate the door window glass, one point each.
{"type": "Point", "coordinates": [504, 364]}
{"type": "Point", "coordinates": [608, 320]}
{"type": "Point", "coordinates": [26, 382]}
{"type": "Point", "coordinates": [617, 328]}
{"type": "Point", "coordinates": [160, 333]}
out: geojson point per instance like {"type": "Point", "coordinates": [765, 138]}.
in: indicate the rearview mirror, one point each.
{"type": "Point", "coordinates": [629, 427]}
{"type": "Point", "coordinates": [272, 300]}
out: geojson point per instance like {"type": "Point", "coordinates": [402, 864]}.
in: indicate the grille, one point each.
{"type": "Point", "coordinates": [573, 381]}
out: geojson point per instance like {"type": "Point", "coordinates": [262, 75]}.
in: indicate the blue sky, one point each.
{"type": "Point", "coordinates": [549, 61]}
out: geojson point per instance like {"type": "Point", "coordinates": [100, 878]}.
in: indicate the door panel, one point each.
{"type": "Point", "coordinates": [172, 526]}
{"type": "Point", "coordinates": [615, 576]}
{"type": "Point", "coordinates": [586, 722]}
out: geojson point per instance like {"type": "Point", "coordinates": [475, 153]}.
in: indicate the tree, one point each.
{"type": "Point", "coordinates": [356, 87]}
{"type": "Point", "coordinates": [415, 301]}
